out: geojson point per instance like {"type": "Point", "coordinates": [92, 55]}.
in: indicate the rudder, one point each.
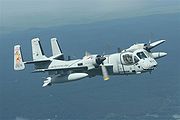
{"type": "Point", "coordinates": [37, 51]}
{"type": "Point", "coordinates": [56, 49]}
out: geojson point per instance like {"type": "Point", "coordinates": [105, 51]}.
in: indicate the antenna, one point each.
{"type": "Point", "coordinates": [150, 38]}
{"type": "Point", "coordinates": [69, 58]}
{"type": "Point", "coordinates": [119, 50]}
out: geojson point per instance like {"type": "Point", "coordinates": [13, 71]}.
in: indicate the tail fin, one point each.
{"type": "Point", "coordinates": [56, 50]}
{"type": "Point", "coordinates": [18, 60]}
{"type": "Point", "coordinates": [37, 50]}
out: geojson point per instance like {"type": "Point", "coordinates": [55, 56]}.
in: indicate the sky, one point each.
{"type": "Point", "coordinates": [25, 14]}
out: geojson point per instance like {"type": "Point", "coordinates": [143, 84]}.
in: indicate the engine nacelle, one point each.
{"type": "Point", "coordinates": [94, 60]}
{"type": "Point", "coordinates": [77, 76]}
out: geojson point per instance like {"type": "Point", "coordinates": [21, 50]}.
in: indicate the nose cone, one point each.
{"type": "Point", "coordinates": [149, 64]}
{"type": "Point", "coordinates": [154, 64]}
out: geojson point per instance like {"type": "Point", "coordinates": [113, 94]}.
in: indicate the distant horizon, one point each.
{"type": "Point", "coordinates": [22, 15]}
{"type": "Point", "coordinates": [6, 30]}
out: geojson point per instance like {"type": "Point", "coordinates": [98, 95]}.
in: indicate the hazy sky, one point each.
{"type": "Point", "coordinates": [25, 14]}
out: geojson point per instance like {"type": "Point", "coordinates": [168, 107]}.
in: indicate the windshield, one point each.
{"type": "Point", "coordinates": [141, 55]}
{"type": "Point", "coordinates": [148, 54]}
{"type": "Point", "coordinates": [136, 59]}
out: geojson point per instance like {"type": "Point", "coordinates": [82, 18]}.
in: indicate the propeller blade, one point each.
{"type": "Point", "coordinates": [47, 82]}
{"type": "Point", "coordinates": [100, 59]}
{"type": "Point", "coordinates": [105, 73]}
{"type": "Point", "coordinates": [87, 53]}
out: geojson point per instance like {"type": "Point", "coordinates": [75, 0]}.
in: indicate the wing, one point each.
{"type": "Point", "coordinates": [80, 68]}
{"type": "Point", "coordinates": [98, 70]}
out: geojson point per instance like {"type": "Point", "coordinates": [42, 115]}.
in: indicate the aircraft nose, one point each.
{"type": "Point", "coordinates": [153, 64]}
{"type": "Point", "coordinates": [150, 64]}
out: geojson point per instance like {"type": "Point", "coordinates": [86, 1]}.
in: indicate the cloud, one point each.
{"type": "Point", "coordinates": [176, 116]}
{"type": "Point", "coordinates": [113, 116]}
{"type": "Point", "coordinates": [21, 118]}
{"type": "Point", "coordinates": [152, 115]}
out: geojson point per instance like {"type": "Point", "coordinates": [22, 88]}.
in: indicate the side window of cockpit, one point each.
{"type": "Point", "coordinates": [136, 60]}
{"type": "Point", "coordinates": [141, 55]}
{"type": "Point", "coordinates": [128, 59]}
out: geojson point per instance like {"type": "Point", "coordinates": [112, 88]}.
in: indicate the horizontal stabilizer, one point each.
{"type": "Point", "coordinates": [40, 61]}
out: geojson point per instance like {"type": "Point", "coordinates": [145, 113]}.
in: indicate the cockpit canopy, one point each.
{"type": "Point", "coordinates": [129, 58]}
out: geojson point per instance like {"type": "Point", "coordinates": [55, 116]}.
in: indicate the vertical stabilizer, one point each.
{"type": "Point", "coordinates": [56, 50]}
{"type": "Point", "coordinates": [18, 60]}
{"type": "Point", "coordinates": [37, 50]}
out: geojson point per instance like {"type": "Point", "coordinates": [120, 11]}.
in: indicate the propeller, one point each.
{"type": "Point", "coordinates": [105, 73]}
{"type": "Point", "coordinates": [99, 61]}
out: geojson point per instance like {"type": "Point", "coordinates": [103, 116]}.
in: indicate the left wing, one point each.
{"type": "Point", "coordinates": [62, 68]}
{"type": "Point", "coordinates": [79, 68]}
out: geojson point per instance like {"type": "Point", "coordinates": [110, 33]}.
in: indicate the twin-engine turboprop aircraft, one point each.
{"type": "Point", "coordinates": [135, 60]}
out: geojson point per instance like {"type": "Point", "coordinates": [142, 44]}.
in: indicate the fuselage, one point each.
{"type": "Point", "coordinates": [124, 63]}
